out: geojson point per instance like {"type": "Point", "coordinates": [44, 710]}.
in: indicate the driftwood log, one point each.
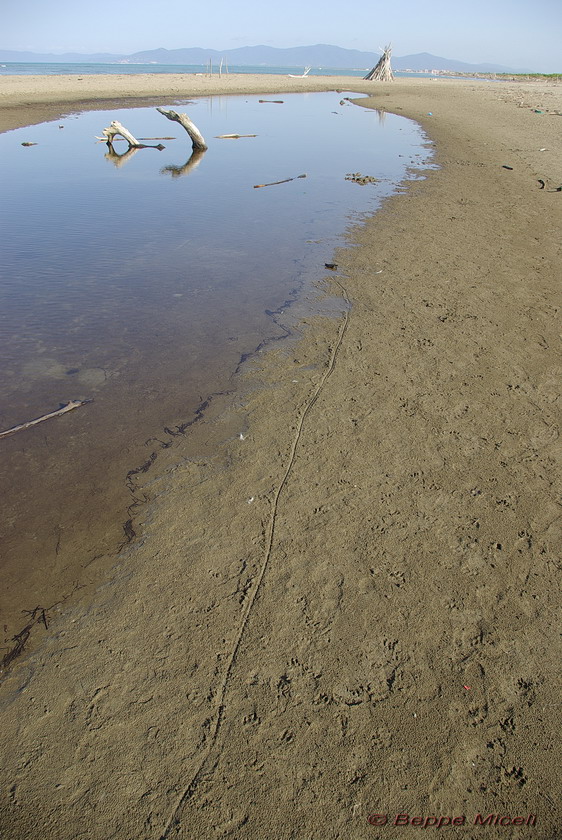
{"type": "Point", "coordinates": [195, 135]}
{"type": "Point", "coordinates": [303, 75]}
{"type": "Point", "coordinates": [382, 72]}
{"type": "Point", "coordinates": [116, 128]}
{"type": "Point", "coordinates": [274, 183]}
{"type": "Point", "coordinates": [233, 136]}
{"type": "Point", "coordinates": [63, 410]}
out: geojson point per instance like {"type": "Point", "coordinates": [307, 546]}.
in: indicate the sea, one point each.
{"type": "Point", "coordinates": [67, 69]}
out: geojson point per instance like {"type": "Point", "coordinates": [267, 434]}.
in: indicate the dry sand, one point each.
{"type": "Point", "coordinates": [353, 609]}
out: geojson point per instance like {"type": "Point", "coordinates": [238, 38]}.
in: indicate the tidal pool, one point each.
{"type": "Point", "coordinates": [139, 280]}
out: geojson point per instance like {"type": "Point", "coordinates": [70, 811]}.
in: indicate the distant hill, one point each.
{"type": "Point", "coordinates": [426, 61]}
{"type": "Point", "coordinates": [317, 55]}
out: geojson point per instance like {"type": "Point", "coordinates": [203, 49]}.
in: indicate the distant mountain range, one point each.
{"type": "Point", "coordinates": [318, 55]}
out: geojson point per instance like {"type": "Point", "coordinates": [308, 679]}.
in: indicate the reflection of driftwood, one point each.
{"type": "Point", "coordinates": [192, 163]}
{"type": "Point", "coordinates": [233, 136]}
{"type": "Point", "coordinates": [68, 407]}
{"type": "Point", "coordinates": [194, 133]}
{"type": "Point", "coordinates": [273, 183]}
{"type": "Point", "coordinates": [119, 159]}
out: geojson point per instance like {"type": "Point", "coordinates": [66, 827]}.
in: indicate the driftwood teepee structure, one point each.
{"type": "Point", "coordinates": [383, 71]}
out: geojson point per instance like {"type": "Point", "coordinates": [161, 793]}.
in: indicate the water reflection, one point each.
{"type": "Point", "coordinates": [116, 130]}
{"type": "Point", "coordinates": [191, 164]}
{"type": "Point", "coordinates": [118, 159]}
{"type": "Point", "coordinates": [150, 315]}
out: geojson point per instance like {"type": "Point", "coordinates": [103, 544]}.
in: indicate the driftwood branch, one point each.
{"type": "Point", "coordinates": [274, 183]}
{"type": "Point", "coordinates": [233, 136]}
{"type": "Point", "coordinates": [63, 410]}
{"type": "Point", "coordinates": [382, 72]}
{"type": "Point", "coordinates": [116, 128]}
{"type": "Point", "coordinates": [195, 135]}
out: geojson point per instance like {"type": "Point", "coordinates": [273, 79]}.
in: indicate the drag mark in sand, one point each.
{"type": "Point", "coordinates": [191, 787]}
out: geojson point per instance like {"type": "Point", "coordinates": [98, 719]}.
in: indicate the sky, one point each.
{"type": "Point", "coordinates": [515, 33]}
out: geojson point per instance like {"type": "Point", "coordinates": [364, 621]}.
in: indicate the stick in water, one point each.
{"type": "Point", "coordinates": [273, 183]}
{"type": "Point", "coordinates": [68, 407]}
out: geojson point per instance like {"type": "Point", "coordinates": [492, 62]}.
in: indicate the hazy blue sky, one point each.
{"type": "Point", "coordinates": [510, 32]}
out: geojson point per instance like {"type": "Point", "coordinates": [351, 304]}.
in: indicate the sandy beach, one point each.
{"type": "Point", "coordinates": [340, 615]}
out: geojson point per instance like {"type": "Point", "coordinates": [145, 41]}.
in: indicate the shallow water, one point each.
{"type": "Point", "coordinates": [139, 282]}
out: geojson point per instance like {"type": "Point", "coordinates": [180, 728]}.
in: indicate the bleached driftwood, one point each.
{"type": "Point", "coordinates": [194, 133]}
{"type": "Point", "coordinates": [116, 128]}
{"type": "Point", "coordinates": [233, 136]}
{"type": "Point", "coordinates": [382, 72]}
{"type": "Point", "coordinates": [68, 407]}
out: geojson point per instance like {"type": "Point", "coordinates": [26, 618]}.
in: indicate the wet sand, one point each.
{"type": "Point", "coordinates": [342, 598]}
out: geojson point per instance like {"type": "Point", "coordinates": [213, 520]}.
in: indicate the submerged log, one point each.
{"type": "Point", "coordinates": [194, 133]}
